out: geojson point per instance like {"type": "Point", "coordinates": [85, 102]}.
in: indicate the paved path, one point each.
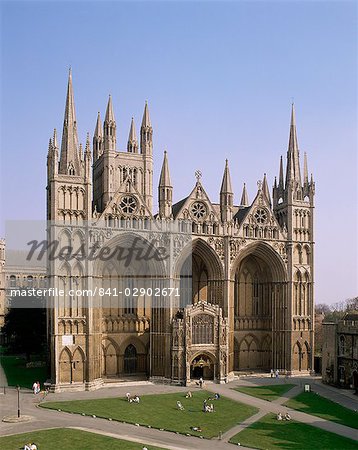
{"type": "Point", "coordinates": [150, 436]}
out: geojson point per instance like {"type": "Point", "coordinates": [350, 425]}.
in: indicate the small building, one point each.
{"type": "Point", "coordinates": [340, 352]}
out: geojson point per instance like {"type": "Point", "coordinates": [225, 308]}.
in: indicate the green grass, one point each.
{"type": "Point", "coordinates": [160, 411]}
{"type": "Point", "coordinates": [271, 392]}
{"type": "Point", "coordinates": [17, 374]}
{"type": "Point", "coordinates": [270, 434]}
{"type": "Point", "coordinates": [67, 438]}
{"type": "Point", "coordinates": [312, 403]}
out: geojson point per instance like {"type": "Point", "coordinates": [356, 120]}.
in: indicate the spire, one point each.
{"type": "Point", "coordinates": [146, 118]}
{"type": "Point", "coordinates": [244, 197]}
{"type": "Point", "coordinates": [165, 190]}
{"type": "Point", "coordinates": [146, 133]}
{"type": "Point", "coordinates": [99, 130]}
{"type": "Point", "coordinates": [265, 189]}
{"type": "Point", "coordinates": [305, 170]}
{"type": "Point", "coordinates": [70, 161]}
{"type": "Point", "coordinates": [280, 180]}
{"type": "Point", "coordinates": [109, 127]}
{"type": "Point", "coordinates": [132, 145]}
{"type": "Point", "coordinates": [98, 139]}
{"type": "Point", "coordinates": [109, 112]}
{"type": "Point", "coordinates": [226, 183]}
{"type": "Point", "coordinates": [164, 180]}
{"type": "Point", "coordinates": [293, 172]}
{"type": "Point", "coordinates": [88, 145]}
{"type": "Point", "coordinates": [54, 141]}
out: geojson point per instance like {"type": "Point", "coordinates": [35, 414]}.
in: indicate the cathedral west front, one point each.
{"type": "Point", "coordinates": [241, 275]}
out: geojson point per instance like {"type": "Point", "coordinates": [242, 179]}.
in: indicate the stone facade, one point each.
{"type": "Point", "coordinates": [251, 265]}
{"type": "Point", "coordinates": [340, 352]}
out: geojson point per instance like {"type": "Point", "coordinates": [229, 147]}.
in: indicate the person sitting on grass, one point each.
{"type": "Point", "coordinates": [27, 446]}
{"type": "Point", "coordinates": [217, 396]}
{"type": "Point", "coordinates": [287, 416]}
{"type": "Point", "coordinates": [189, 395]}
{"type": "Point", "coordinates": [209, 408]}
{"type": "Point", "coordinates": [180, 406]}
{"type": "Point", "coordinates": [128, 396]}
{"type": "Point", "coordinates": [196, 429]}
{"type": "Point", "coordinates": [279, 416]}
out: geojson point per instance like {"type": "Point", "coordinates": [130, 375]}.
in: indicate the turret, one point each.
{"type": "Point", "coordinates": [98, 139]}
{"type": "Point", "coordinates": [132, 145]}
{"type": "Point", "coordinates": [146, 133]}
{"type": "Point", "coordinates": [244, 197]}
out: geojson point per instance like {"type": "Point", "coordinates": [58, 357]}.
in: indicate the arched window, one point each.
{"type": "Point", "coordinates": [130, 359]}
{"type": "Point", "coordinates": [71, 169]}
{"type": "Point", "coordinates": [12, 281]}
{"type": "Point", "coordinates": [30, 281]}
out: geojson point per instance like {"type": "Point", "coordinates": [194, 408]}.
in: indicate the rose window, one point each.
{"type": "Point", "coordinates": [128, 204]}
{"type": "Point", "coordinates": [198, 210]}
{"type": "Point", "coordinates": [260, 216]}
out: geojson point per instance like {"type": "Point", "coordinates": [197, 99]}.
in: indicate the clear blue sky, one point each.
{"type": "Point", "coordinates": [219, 78]}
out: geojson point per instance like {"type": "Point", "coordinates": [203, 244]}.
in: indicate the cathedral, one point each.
{"type": "Point", "coordinates": [242, 273]}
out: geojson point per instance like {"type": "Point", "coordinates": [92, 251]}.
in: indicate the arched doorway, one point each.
{"type": "Point", "coordinates": [130, 359]}
{"type": "Point", "coordinates": [202, 366]}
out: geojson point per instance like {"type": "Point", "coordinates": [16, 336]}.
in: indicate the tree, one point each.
{"type": "Point", "coordinates": [25, 328]}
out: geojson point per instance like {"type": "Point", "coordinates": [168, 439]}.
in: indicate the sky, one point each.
{"type": "Point", "coordinates": [219, 78]}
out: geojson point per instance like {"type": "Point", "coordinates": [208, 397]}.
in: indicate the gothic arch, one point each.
{"type": "Point", "coordinates": [109, 357]}
{"type": "Point", "coordinates": [78, 365]}
{"type": "Point", "coordinates": [141, 356]}
{"type": "Point", "coordinates": [200, 272]}
{"type": "Point", "coordinates": [249, 355]}
{"type": "Point", "coordinates": [297, 356]}
{"type": "Point", "coordinates": [265, 252]}
{"type": "Point", "coordinates": [266, 352]}
{"type": "Point", "coordinates": [65, 366]}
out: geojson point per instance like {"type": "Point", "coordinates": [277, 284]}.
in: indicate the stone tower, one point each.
{"type": "Point", "coordinates": [293, 204]}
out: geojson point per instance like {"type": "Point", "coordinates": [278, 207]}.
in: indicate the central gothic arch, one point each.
{"type": "Point", "coordinates": [260, 308]}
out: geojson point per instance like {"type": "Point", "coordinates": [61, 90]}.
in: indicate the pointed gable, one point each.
{"type": "Point", "coordinates": [126, 202]}
{"type": "Point", "coordinates": [258, 219]}
{"type": "Point", "coordinates": [197, 206]}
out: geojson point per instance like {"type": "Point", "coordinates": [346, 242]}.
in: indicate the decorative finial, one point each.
{"type": "Point", "coordinates": [259, 185]}
{"type": "Point", "coordinates": [198, 175]}
{"type": "Point", "coordinates": [292, 100]}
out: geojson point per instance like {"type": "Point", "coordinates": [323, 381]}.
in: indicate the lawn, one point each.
{"type": "Point", "coordinates": [270, 392]}
{"type": "Point", "coordinates": [67, 439]}
{"type": "Point", "coordinates": [160, 411]}
{"type": "Point", "coordinates": [17, 373]}
{"type": "Point", "coordinates": [312, 403]}
{"type": "Point", "coordinates": [270, 434]}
